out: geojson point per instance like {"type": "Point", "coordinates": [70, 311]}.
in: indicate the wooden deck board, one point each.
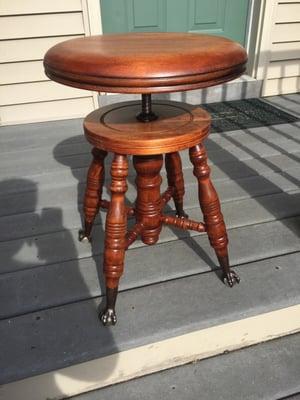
{"type": "Point", "coordinates": [49, 282]}
{"type": "Point", "coordinates": [69, 334]}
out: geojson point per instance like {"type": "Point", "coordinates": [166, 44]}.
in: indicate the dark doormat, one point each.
{"type": "Point", "coordinates": [245, 114]}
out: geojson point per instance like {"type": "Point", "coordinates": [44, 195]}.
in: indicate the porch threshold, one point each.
{"type": "Point", "coordinates": [156, 356]}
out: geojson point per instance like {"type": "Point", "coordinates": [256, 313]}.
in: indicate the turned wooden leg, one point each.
{"type": "Point", "coordinates": [175, 180]}
{"type": "Point", "coordinates": [148, 202]}
{"type": "Point", "coordinates": [213, 218]}
{"type": "Point", "coordinates": [115, 237]}
{"type": "Point", "coordinates": [93, 192]}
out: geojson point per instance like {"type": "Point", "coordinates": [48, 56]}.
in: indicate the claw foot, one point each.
{"type": "Point", "coordinates": [82, 237]}
{"type": "Point", "coordinates": [231, 278]}
{"type": "Point", "coordinates": [108, 317]}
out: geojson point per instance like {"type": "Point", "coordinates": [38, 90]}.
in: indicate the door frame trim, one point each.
{"type": "Point", "coordinates": [249, 24]}
{"type": "Point", "coordinates": [93, 11]}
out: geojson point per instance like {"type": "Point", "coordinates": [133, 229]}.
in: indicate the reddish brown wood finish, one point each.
{"type": "Point", "coordinates": [166, 196]}
{"type": "Point", "coordinates": [176, 181]}
{"type": "Point", "coordinates": [93, 192]}
{"type": "Point", "coordinates": [115, 128]}
{"type": "Point", "coordinates": [183, 223]}
{"type": "Point", "coordinates": [148, 202]}
{"type": "Point", "coordinates": [133, 234]}
{"type": "Point", "coordinates": [209, 201]}
{"type": "Point", "coordinates": [105, 204]}
{"type": "Point", "coordinates": [211, 209]}
{"type": "Point", "coordinates": [115, 235]}
{"type": "Point", "coordinates": [145, 62]}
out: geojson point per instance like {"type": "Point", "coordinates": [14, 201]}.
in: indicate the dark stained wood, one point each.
{"type": "Point", "coordinates": [145, 62]}
{"type": "Point", "coordinates": [93, 192]}
{"type": "Point", "coordinates": [211, 209]}
{"type": "Point", "coordinates": [115, 128]}
{"type": "Point", "coordinates": [148, 202]}
{"type": "Point", "coordinates": [176, 181]}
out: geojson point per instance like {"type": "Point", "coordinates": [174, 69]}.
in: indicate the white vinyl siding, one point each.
{"type": "Point", "coordinates": [41, 25]}
{"type": "Point", "coordinates": [286, 32]}
{"type": "Point", "coordinates": [27, 30]}
{"type": "Point", "coordinates": [51, 110]}
{"type": "Point", "coordinates": [288, 12]}
{"type": "Point", "coordinates": [281, 70]}
{"type": "Point", "coordinates": [28, 49]}
{"type": "Point", "coordinates": [285, 51]}
{"type": "Point", "coordinates": [19, 93]}
{"type": "Point", "coordinates": [282, 86]}
{"type": "Point", "coordinates": [20, 72]}
{"type": "Point", "coordinates": [18, 7]}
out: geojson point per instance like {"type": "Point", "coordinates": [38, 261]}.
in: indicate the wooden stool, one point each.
{"type": "Point", "coordinates": [147, 63]}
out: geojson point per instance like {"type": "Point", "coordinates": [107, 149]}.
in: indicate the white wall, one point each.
{"type": "Point", "coordinates": [279, 58]}
{"type": "Point", "coordinates": [27, 30]}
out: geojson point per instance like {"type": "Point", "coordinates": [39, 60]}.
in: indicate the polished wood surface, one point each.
{"type": "Point", "coordinates": [176, 181]}
{"type": "Point", "coordinates": [148, 202]}
{"type": "Point", "coordinates": [211, 210]}
{"type": "Point", "coordinates": [93, 193]}
{"type": "Point", "coordinates": [115, 128]}
{"type": "Point", "coordinates": [145, 62]}
{"type": "Point", "coordinates": [115, 235]}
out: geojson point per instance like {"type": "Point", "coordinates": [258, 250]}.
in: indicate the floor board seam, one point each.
{"type": "Point", "coordinates": [153, 284]}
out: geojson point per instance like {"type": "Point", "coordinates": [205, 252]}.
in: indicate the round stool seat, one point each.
{"type": "Point", "coordinates": [115, 128]}
{"type": "Point", "coordinates": [145, 62]}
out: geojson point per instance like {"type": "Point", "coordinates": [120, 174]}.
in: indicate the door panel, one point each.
{"type": "Point", "coordinates": [206, 16]}
{"type": "Point", "coordinates": [145, 15]}
{"type": "Point", "coordinates": [216, 17]}
{"type": "Point", "coordinates": [133, 16]}
{"type": "Point", "coordinates": [114, 16]}
{"type": "Point", "coordinates": [207, 12]}
{"type": "Point", "coordinates": [235, 24]}
{"type": "Point", "coordinates": [177, 15]}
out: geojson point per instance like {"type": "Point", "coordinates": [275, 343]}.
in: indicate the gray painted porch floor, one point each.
{"type": "Point", "coordinates": [51, 285]}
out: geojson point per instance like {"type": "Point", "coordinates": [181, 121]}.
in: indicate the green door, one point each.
{"type": "Point", "coordinates": [216, 17]}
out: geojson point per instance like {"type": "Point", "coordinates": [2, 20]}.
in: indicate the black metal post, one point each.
{"type": "Point", "coordinates": [146, 115]}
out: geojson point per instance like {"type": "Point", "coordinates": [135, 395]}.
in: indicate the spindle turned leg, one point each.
{"type": "Point", "coordinates": [176, 181]}
{"type": "Point", "coordinates": [210, 206]}
{"type": "Point", "coordinates": [115, 237]}
{"type": "Point", "coordinates": [93, 192]}
{"type": "Point", "coordinates": [148, 202]}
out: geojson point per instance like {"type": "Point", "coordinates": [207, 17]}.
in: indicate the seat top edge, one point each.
{"type": "Point", "coordinates": [143, 60]}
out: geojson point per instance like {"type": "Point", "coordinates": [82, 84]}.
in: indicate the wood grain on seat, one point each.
{"type": "Point", "coordinates": [145, 62]}
{"type": "Point", "coordinates": [115, 128]}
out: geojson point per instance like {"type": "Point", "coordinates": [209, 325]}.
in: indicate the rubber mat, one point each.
{"type": "Point", "coordinates": [245, 114]}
